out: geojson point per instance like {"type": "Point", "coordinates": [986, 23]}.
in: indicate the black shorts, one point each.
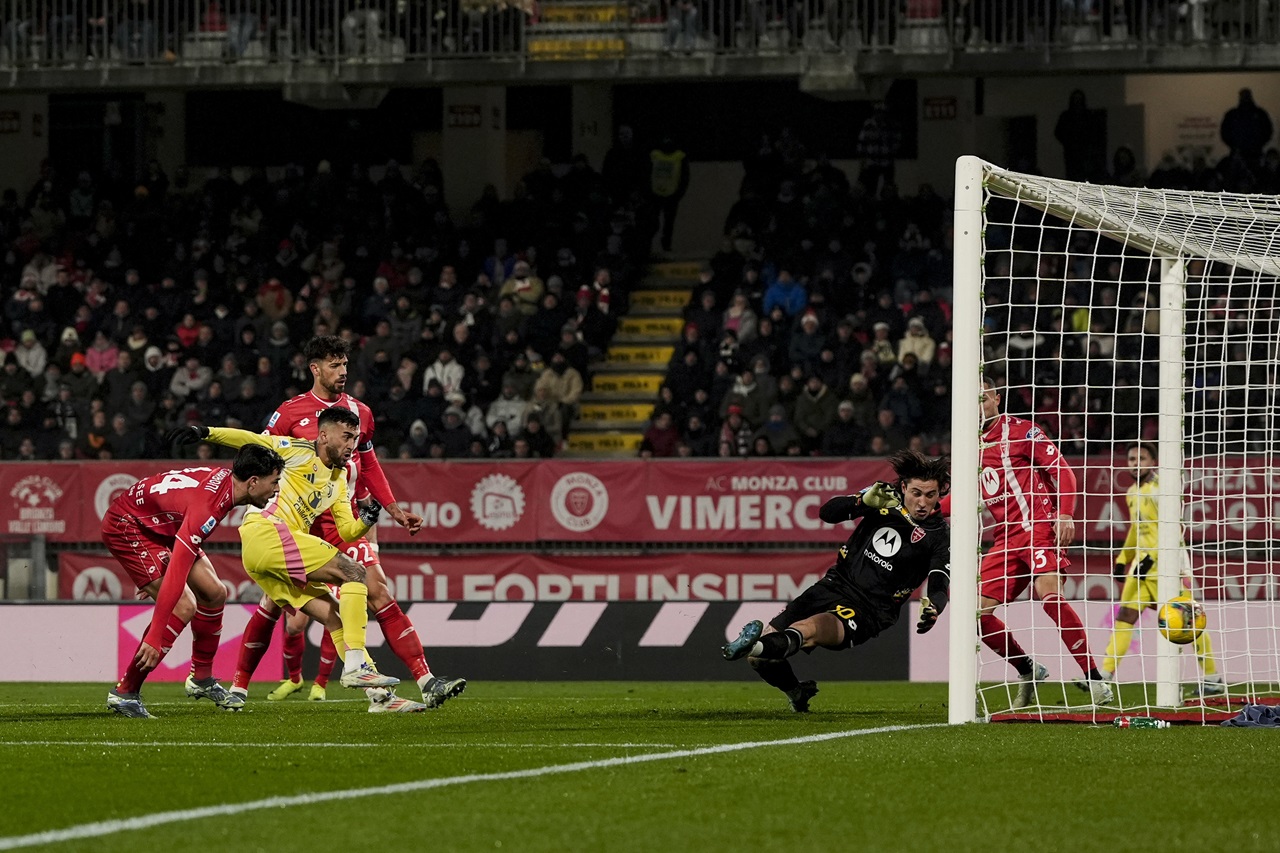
{"type": "Point", "coordinates": [824, 598]}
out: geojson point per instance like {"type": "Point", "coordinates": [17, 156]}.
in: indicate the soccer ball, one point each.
{"type": "Point", "coordinates": [1181, 620]}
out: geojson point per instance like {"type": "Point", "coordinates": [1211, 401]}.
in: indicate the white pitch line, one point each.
{"type": "Point", "coordinates": [112, 827]}
{"type": "Point", "coordinates": [294, 745]}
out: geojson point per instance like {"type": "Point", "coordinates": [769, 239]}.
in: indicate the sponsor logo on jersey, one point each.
{"type": "Point", "coordinates": [196, 539]}
{"type": "Point", "coordinates": [886, 541]}
{"type": "Point", "coordinates": [208, 526]}
{"type": "Point", "coordinates": [990, 482]}
{"type": "Point", "coordinates": [579, 501]}
{"type": "Point", "coordinates": [497, 502]}
{"type": "Point", "coordinates": [275, 416]}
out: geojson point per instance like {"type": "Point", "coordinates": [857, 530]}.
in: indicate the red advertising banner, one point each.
{"type": "Point", "coordinates": [643, 501]}
{"type": "Point", "coordinates": [507, 576]}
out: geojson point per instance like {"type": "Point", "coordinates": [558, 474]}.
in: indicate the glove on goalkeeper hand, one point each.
{"type": "Point", "coordinates": [369, 512]}
{"type": "Point", "coordinates": [186, 435]}
{"type": "Point", "coordinates": [1144, 566]}
{"type": "Point", "coordinates": [928, 617]}
{"type": "Point", "coordinates": [880, 495]}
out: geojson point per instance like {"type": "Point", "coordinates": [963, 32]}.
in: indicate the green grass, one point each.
{"type": "Point", "coordinates": [981, 787]}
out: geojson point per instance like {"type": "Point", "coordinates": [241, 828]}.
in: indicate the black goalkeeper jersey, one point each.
{"type": "Point", "coordinates": [887, 556]}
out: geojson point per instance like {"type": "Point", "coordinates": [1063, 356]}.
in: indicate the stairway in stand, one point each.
{"type": "Point", "coordinates": [615, 413]}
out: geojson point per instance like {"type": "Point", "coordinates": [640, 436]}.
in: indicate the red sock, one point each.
{"type": "Point", "coordinates": [206, 635]}
{"type": "Point", "coordinates": [294, 646]}
{"type": "Point", "coordinates": [1000, 641]}
{"type": "Point", "coordinates": [257, 636]}
{"type": "Point", "coordinates": [328, 657]}
{"type": "Point", "coordinates": [403, 639]}
{"type": "Point", "coordinates": [1071, 628]}
{"type": "Point", "coordinates": [133, 677]}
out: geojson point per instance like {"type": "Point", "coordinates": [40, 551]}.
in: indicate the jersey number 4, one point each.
{"type": "Point", "coordinates": [175, 480]}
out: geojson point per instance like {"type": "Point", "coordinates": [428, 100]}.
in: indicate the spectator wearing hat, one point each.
{"type": "Point", "coordinates": [31, 354]}
{"type": "Point", "coordinates": [454, 434]}
{"type": "Point", "coordinates": [705, 315]}
{"type": "Point", "coordinates": [498, 444]}
{"type": "Point", "coordinates": [575, 351]}
{"type": "Point", "coordinates": [886, 311]}
{"type": "Point", "coordinates": [102, 355]}
{"type": "Point", "coordinates": [735, 433]}
{"type": "Point", "coordinates": [68, 345]}
{"type": "Point", "coordinates": [508, 408]}
{"type": "Point", "coordinates": [740, 318]}
{"type": "Point", "coordinates": [918, 342]}
{"type": "Point", "coordinates": [521, 375]}
{"type": "Point", "coordinates": [881, 345]}
{"type": "Point", "coordinates": [524, 288]}
{"type": "Point", "coordinates": [564, 386]}
{"type": "Point", "coordinates": [843, 436]}
{"type": "Point", "coordinates": [786, 293]}
{"type": "Point", "coordinates": [472, 415]}
{"type": "Point", "coordinates": [777, 430]}
{"type": "Point", "coordinates": [595, 328]}
{"type": "Point", "coordinates": [747, 394]}
{"type": "Point", "coordinates": [537, 438]}
{"type": "Point", "coordinates": [805, 347]}
{"type": "Point", "coordinates": [446, 371]}
{"type": "Point", "coordinates": [83, 383]}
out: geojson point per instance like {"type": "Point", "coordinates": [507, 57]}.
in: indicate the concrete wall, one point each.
{"type": "Point", "coordinates": [24, 139]}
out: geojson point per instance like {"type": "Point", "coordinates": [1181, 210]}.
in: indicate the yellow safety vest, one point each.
{"type": "Point", "coordinates": [665, 176]}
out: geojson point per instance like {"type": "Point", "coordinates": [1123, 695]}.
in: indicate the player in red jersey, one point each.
{"type": "Point", "coordinates": [327, 357]}
{"type": "Point", "coordinates": [155, 530]}
{"type": "Point", "coordinates": [1030, 491]}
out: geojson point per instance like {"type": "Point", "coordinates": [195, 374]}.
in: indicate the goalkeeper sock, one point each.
{"type": "Point", "coordinates": [997, 638]}
{"type": "Point", "coordinates": [206, 635]}
{"type": "Point", "coordinates": [1204, 653]}
{"type": "Point", "coordinates": [328, 657]}
{"type": "Point", "coordinates": [776, 673]}
{"type": "Point", "coordinates": [778, 645]}
{"type": "Point", "coordinates": [1071, 629]}
{"type": "Point", "coordinates": [253, 645]}
{"type": "Point", "coordinates": [1118, 645]}
{"type": "Point", "coordinates": [295, 646]}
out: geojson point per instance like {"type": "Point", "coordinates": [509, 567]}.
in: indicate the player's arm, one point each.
{"type": "Point", "coordinates": [226, 436]}
{"type": "Point", "coordinates": [879, 495]}
{"type": "Point", "coordinates": [186, 548]}
{"type": "Point", "coordinates": [349, 527]}
{"type": "Point", "coordinates": [1062, 483]}
{"type": "Point", "coordinates": [938, 591]}
{"type": "Point", "coordinates": [1129, 550]}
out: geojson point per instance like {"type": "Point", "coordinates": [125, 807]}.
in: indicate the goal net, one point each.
{"type": "Point", "coordinates": [1138, 331]}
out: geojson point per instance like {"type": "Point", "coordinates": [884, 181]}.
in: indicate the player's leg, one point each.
{"type": "Point", "coordinates": [403, 638]}
{"type": "Point", "coordinates": [1134, 597]}
{"type": "Point", "coordinates": [206, 634]}
{"type": "Point", "coordinates": [1211, 681]}
{"type": "Point", "coordinates": [1048, 588]}
{"type": "Point", "coordinates": [328, 658]}
{"type": "Point", "coordinates": [295, 643]}
{"type": "Point", "coordinates": [340, 569]}
{"type": "Point", "coordinates": [1003, 576]}
{"type": "Point", "coordinates": [255, 640]}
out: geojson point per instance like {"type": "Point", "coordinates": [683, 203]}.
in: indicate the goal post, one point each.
{"type": "Point", "coordinates": [1108, 316]}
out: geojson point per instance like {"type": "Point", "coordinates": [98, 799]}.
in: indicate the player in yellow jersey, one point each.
{"type": "Point", "coordinates": [290, 564]}
{"type": "Point", "coordinates": [1137, 560]}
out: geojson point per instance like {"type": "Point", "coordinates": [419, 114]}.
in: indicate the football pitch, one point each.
{"type": "Point", "coordinates": [621, 766]}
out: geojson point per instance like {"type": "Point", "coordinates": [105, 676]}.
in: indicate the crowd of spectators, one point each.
{"type": "Point", "coordinates": [133, 307]}
{"type": "Point", "coordinates": [822, 327]}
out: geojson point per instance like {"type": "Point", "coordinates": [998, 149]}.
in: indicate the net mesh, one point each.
{"type": "Point", "coordinates": [1071, 335]}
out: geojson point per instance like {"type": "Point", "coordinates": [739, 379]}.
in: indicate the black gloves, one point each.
{"type": "Point", "coordinates": [186, 435]}
{"type": "Point", "coordinates": [370, 511]}
{"type": "Point", "coordinates": [928, 617]}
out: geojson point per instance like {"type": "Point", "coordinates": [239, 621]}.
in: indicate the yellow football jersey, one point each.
{"type": "Point", "coordinates": [308, 487]}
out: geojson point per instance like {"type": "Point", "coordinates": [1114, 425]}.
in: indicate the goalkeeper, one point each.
{"type": "Point", "coordinates": [290, 564]}
{"type": "Point", "coordinates": [1137, 562]}
{"type": "Point", "coordinates": [901, 541]}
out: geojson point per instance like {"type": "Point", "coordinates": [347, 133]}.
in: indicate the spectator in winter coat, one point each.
{"type": "Point", "coordinates": [917, 341]}
{"type": "Point", "coordinates": [446, 371]}
{"type": "Point", "coordinates": [807, 341]}
{"type": "Point", "coordinates": [786, 293]}
{"type": "Point", "coordinates": [843, 437]}
{"type": "Point", "coordinates": [740, 318]}
{"type": "Point", "coordinates": [661, 438]}
{"type": "Point", "coordinates": [777, 430]}
{"type": "Point", "coordinates": [815, 411]}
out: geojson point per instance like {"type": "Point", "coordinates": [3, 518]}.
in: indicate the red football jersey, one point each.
{"type": "Point", "coordinates": [180, 508]}
{"type": "Point", "coordinates": [1024, 481]}
{"type": "Point", "coordinates": [298, 418]}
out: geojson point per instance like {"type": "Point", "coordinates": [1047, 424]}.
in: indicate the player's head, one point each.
{"type": "Point", "coordinates": [336, 440]}
{"type": "Point", "coordinates": [259, 469]}
{"type": "Point", "coordinates": [990, 400]}
{"type": "Point", "coordinates": [1142, 458]}
{"type": "Point", "coordinates": [923, 480]}
{"type": "Point", "coordinates": [327, 357]}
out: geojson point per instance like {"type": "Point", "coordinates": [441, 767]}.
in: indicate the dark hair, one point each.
{"type": "Point", "coordinates": [914, 465]}
{"type": "Point", "coordinates": [338, 415]}
{"type": "Point", "coordinates": [324, 347]}
{"type": "Point", "coordinates": [254, 460]}
{"type": "Point", "coordinates": [1149, 446]}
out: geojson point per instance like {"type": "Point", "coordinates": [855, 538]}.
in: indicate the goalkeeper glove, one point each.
{"type": "Point", "coordinates": [370, 511]}
{"type": "Point", "coordinates": [186, 435]}
{"type": "Point", "coordinates": [928, 617]}
{"type": "Point", "coordinates": [880, 495]}
{"type": "Point", "coordinates": [1144, 566]}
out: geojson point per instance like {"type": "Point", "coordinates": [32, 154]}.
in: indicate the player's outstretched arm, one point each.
{"type": "Point", "coordinates": [349, 527]}
{"type": "Point", "coordinates": [375, 480]}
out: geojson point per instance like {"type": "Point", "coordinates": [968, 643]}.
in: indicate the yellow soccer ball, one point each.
{"type": "Point", "coordinates": [1181, 620]}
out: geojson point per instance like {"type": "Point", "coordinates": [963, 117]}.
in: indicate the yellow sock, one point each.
{"type": "Point", "coordinates": [1121, 639]}
{"type": "Point", "coordinates": [339, 644]}
{"type": "Point", "coordinates": [1204, 652]}
{"type": "Point", "coordinates": [353, 609]}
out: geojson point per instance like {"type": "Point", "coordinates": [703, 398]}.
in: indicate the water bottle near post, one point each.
{"type": "Point", "coordinates": [1124, 722]}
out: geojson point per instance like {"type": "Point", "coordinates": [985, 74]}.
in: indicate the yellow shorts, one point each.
{"type": "Point", "coordinates": [1141, 593]}
{"type": "Point", "coordinates": [279, 560]}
